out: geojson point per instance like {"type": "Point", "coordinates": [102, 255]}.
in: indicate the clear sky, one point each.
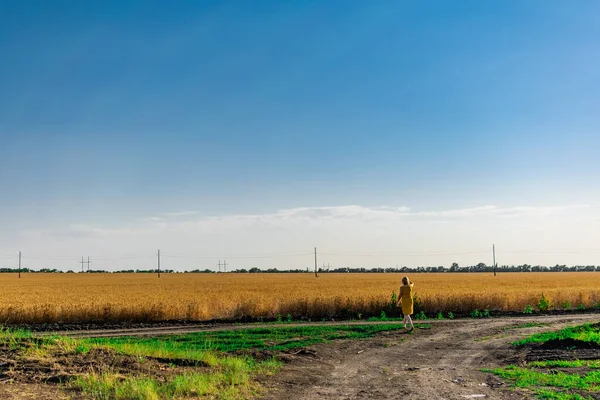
{"type": "Point", "coordinates": [216, 129]}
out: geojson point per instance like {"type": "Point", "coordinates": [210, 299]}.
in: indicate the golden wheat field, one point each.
{"type": "Point", "coordinates": [143, 297]}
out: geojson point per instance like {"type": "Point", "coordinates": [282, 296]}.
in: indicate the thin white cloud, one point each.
{"type": "Point", "coordinates": [356, 212]}
{"type": "Point", "coordinates": [499, 211]}
{"type": "Point", "coordinates": [351, 213]}
{"type": "Point", "coordinates": [180, 213]}
{"type": "Point", "coordinates": [152, 219]}
{"type": "Point", "coordinates": [303, 216]}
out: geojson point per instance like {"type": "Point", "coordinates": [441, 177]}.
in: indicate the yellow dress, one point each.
{"type": "Point", "coordinates": [407, 299]}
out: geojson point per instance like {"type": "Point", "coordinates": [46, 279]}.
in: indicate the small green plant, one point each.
{"type": "Point", "coordinates": [383, 316]}
{"type": "Point", "coordinates": [417, 303]}
{"type": "Point", "coordinates": [450, 315]}
{"type": "Point", "coordinates": [421, 315]}
{"type": "Point", "coordinates": [82, 349]}
{"type": "Point", "coordinates": [528, 309]}
{"type": "Point", "coordinates": [543, 304]}
{"type": "Point", "coordinates": [581, 307]}
{"type": "Point", "coordinates": [440, 315]}
{"type": "Point", "coordinates": [279, 320]}
{"type": "Point", "coordinates": [486, 313]}
{"type": "Point", "coordinates": [476, 314]}
{"type": "Point", "coordinates": [393, 301]}
{"type": "Point", "coordinates": [359, 316]}
{"type": "Point", "coordinates": [288, 318]}
{"type": "Point", "coordinates": [565, 305]}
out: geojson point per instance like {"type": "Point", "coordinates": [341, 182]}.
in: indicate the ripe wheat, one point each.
{"type": "Point", "coordinates": [37, 298]}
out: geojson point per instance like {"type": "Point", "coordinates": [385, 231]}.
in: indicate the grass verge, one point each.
{"type": "Point", "coordinates": [559, 379]}
{"type": "Point", "coordinates": [278, 338]}
{"type": "Point", "coordinates": [587, 333]}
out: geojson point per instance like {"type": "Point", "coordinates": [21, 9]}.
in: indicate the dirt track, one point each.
{"type": "Point", "coordinates": [443, 362]}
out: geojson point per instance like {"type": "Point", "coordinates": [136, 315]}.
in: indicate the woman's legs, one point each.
{"type": "Point", "coordinates": [406, 320]}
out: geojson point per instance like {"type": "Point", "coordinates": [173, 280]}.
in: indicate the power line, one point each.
{"type": "Point", "coordinates": [553, 251]}
{"type": "Point", "coordinates": [237, 257]}
{"type": "Point", "coordinates": [64, 258]}
{"type": "Point", "coordinates": [51, 258]}
{"type": "Point", "coordinates": [124, 257]}
{"type": "Point", "coordinates": [407, 254]}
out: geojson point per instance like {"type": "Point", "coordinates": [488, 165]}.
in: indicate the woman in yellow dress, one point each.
{"type": "Point", "coordinates": [406, 299]}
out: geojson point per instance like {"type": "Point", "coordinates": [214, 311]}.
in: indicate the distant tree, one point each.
{"type": "Point", "coordinates": [480, 267]}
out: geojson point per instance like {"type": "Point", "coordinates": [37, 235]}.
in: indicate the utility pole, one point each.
{"type": "Point", "coordinates": [219, 264]}
{"type": "Point", "coordinates": [494, 254]}
{"type": "Point", "coordinates": [159, 263]}
{"type": "Point", "coordinates": [88, 262]}
{"type": "Point", "coordinates": [316, 272]}
{"type": "Point", "coordinates": [19, 264]}
{"type": "Point", "coordinates": [224, 265]}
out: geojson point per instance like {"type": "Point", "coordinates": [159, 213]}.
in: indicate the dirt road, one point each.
{"type": "Point", "coordinates": [441, 363]}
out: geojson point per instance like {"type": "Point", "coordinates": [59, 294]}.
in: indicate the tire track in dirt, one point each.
{"type": "Point", "coordinates": [191, 328]}
{"type": "Point", "coordinates": [442, 363]}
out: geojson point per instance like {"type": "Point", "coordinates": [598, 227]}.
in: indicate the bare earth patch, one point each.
{"type": "Point", "coordinates": [442, 363]}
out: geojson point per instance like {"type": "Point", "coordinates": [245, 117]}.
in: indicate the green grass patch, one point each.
{"type": "Point", "coordinates": [223, 376]}
{"type": "Point", "coordinates": [558, 395]}
{"type": "Point", "coordinates": [224, 385]}
{"type": "Point", "coordinates": [16, 338]}
{"type": "Point", "coordinates": [193, 346]}
{"type": "Point", "coordinates": [592, 364]}
{"type": "Point", "coordinates": [526, 377]}
{"type": "Point", "coordinates": [588, 333]}
{"type": "Point", "coordinates": [553, 379]}
{"type": "Point", "coordinates": [552, 384]}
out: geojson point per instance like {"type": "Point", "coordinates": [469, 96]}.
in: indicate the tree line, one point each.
{"type": "Point", "coordinates": [455, 267]}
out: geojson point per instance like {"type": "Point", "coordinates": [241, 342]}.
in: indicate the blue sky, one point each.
{"type": "Point", "coordinates": [116, 112]}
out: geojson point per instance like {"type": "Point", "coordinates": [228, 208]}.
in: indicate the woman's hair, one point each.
{"type": "Point", "coordinates": [406, 281]}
